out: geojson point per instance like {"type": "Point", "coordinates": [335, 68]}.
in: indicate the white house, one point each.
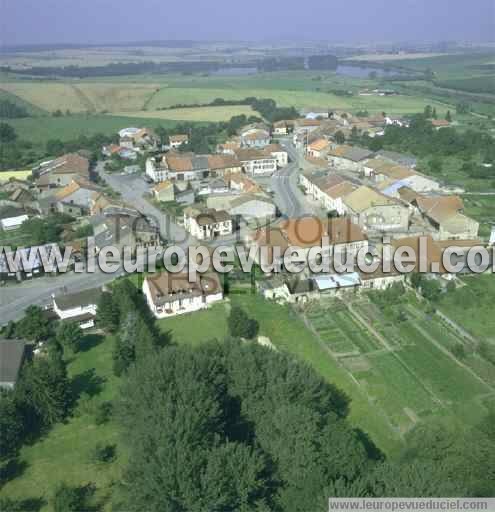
{"type": "Point", "coordinates": [279, 153]}
{"type": "Point", "coordinates": [206, 224]}
{"type": "Point", "coordinates": [169, 294]}
{"type": "Point", "coordinates": [255, 138]}
{"type": "Point", "coordinates": [175, 141]}
{"type": "Point", "coordinates": [11, 223]}
{"type": "Point", "coordinates": [257, 163]}
{"type": "Point", "coordinates": [78, 307]}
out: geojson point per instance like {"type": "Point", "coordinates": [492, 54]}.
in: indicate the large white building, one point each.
{"type": "Point", "coordinates": [169, 294]}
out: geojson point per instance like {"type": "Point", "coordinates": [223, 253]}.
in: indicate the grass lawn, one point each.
{"type": "Point", "coordinates": [472, 305]}
{"type": "Point", "coordinates": [482, 209]}
{"type": "Point", "coordinates": [41, 129]}
{"type": "Point", "coordinates": [198, 327]}
{"type": "Point", "coordinates": [18, 175]}
{"type": "Point", "coordinates": [64, 454]}
{"type": "Point", "coordinates": [206, 114]}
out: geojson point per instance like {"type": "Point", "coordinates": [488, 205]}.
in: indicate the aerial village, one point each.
{"type": "Point", "coordinates": [285, 184]}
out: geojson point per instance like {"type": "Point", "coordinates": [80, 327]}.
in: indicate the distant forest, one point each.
{"type": "Point", "coordinates": [316, 62]}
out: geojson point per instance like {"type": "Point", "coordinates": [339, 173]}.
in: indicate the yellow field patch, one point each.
{"type": "Point", "coordinates": [19, 175]}
{"type": "Point", "coordinates": [207, 114]}
{"type": "Point", "coordinates": [83, 96]}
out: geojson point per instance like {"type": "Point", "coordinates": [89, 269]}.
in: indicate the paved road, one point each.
{"type": "Point", "coordinates": [15, 298]}
{"type": "Point", "coordinates": [132, 188]}
{"type": "Point", "coordinates": [284, 183]}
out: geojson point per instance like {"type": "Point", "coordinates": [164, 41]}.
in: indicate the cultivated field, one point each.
{"type": "Point", "coordinates": [206, 114]}
{"type": "Point", "coordinates": [401, 359]}
{"type": "Point", "coordinates": [124, 96]}
{"type": "Point", "coordinates": [169, 96]}
{"type": "Point", "coordinates": [79, 96]}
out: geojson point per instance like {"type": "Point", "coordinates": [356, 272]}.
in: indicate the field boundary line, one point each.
{"type": "Point", "coordinates": [394, 354]}
{"type": "Point", "coordinates": [447, 352]}
{"type": "Point", "coordinates": [323, 345]}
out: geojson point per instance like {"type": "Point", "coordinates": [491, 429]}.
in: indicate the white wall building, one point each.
{"type": "Point", "coordinates": [78, 307]}
{"type": "Point", "coordinates": [169, 295]}
{"type": "Point", "coordinates": [207, 224]}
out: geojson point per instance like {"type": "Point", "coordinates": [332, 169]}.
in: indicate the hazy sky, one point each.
{"type": "Point", "coordinates": [95, 21]}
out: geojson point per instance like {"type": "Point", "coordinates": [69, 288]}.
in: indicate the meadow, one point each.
{"type": "Point", "coordinates": [195, 114]}
{"type": "Point", "coordinates": [310, 91]}
{"type": "Point", "coordinates": [482, 209]}
{"type": "Point", "coordinates": [65, 453]}
{"type": "Point", "coordinates": [39, 130]}
{"type": "Point", "coordinates": [471, 306]}
{"type": "Point", "coordinates": [18, 175]}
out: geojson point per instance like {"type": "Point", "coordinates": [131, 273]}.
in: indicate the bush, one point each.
{"type": "Point", "coordinates": [240, 325]}
{"type": "Point", "coordinates": [103, 412]}
{"type": "Point", "coordinates": [103, 454]}
{"type": "Point", "coordinates": [459, 351]}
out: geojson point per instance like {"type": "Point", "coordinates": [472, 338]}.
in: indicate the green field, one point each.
{"type": "Point", "coordinates": [472, 305]}
{"type": "Point", "coordinates": [298, 89]}
{"type": "Point", "coordinates": [82, 96]}
{"type": "Point", "coordinates": [405, 366]}
{"type": "Point", "coordinates": [18, 175]}
{"type": "Point", "coordinates": [64, 454]}
{"type": "Point", "coordinates": [199, 114]}
{"type": "Point", "coordinates": [482, 209]}
{"type": "Point", "coordinates": [41, 129]}
{"type": "Point", "coordinates": [195, 329]}
{"type": "Point", "coordinates": [450, 66]}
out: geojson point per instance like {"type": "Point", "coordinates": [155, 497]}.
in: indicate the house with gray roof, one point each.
{"type": "Point", "coordinates": [12, 357]}
{"type": "Point", "coordinates": [78, 307]}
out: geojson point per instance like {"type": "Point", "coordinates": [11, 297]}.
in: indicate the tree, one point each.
{"type": "Point", "coordinates": [69, 499]}
{"type": "Point", "coordinates": [55, 147]}
{"type": "Point", "coordinates": [434, 113]}
{"type": "Point", "coordinates": [428, 112]}
{"type": "Point", "coordinates": [34, 325]}
{"type": "Point", "coordinates": [8, 505]}
{"type": "Point", "coordinates": [448, 116]}
{"type": "Point", "coordinates": [240, 325]}
{"type": "Point", "coordinates": [124, 353]}
{"type": "Point", "coordinates": [339, 137]}
{"type": "Point", "coordinates": [11, 425]}
{"type": "Point", "coordinates": [431, 289]}
{"type": "Point", "coordinates": [69, 335]}
{"type": "Point", "coordinates": [7, 134]}
{"type": "Point", "coordinates": [435, 165]}
{"type": "Point", "coordinates": [107, 314]}
{"type": "Point", "coordinates": [103, 453]}
{"type": "Point", "coordinates": [44, 391]}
